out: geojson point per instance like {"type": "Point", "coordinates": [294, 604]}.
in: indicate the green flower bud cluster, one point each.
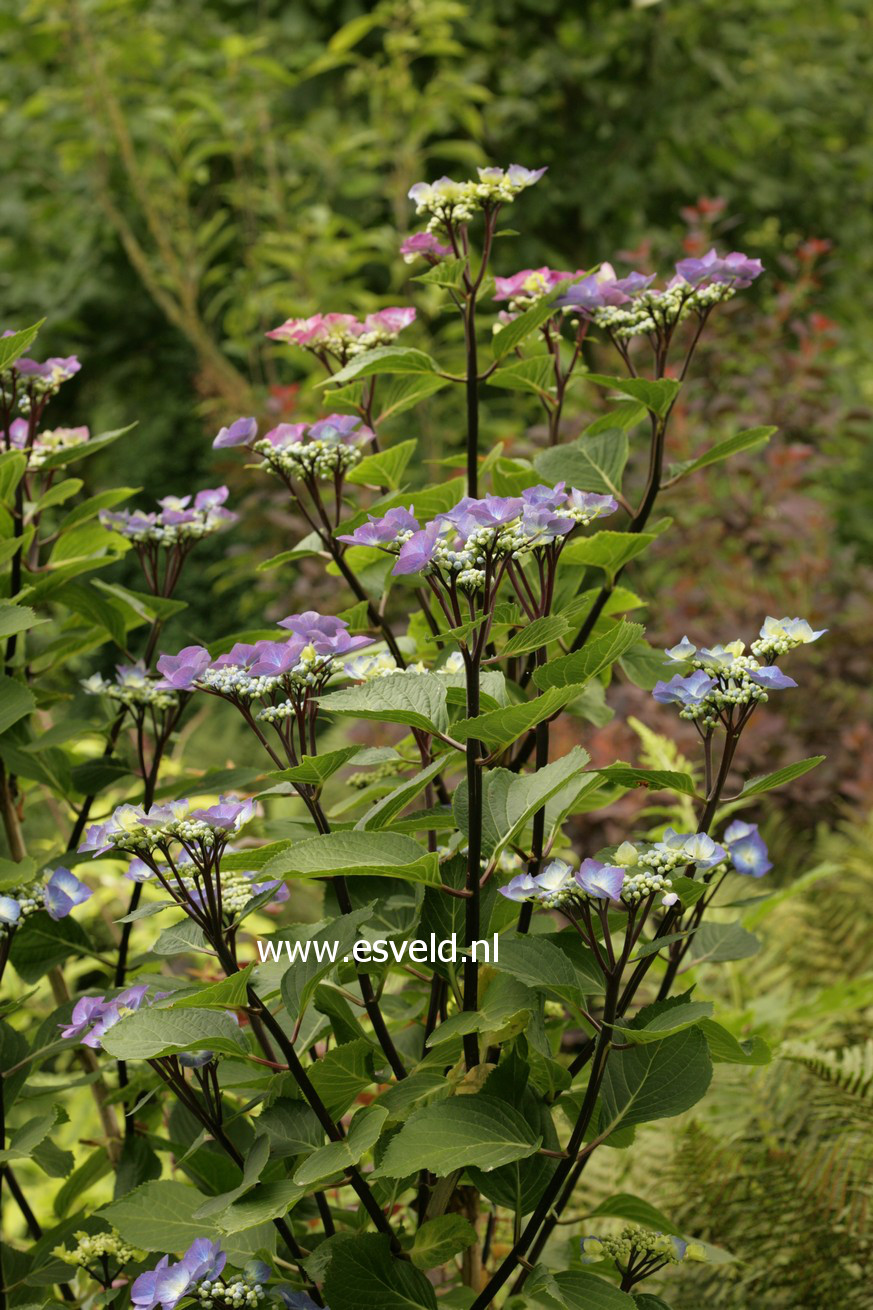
{"type": "Point", "coordinates": [239, 1295]}
{"type": "Point", "coordinates": [133, 692]}
{"type": "Point", "coordinates": [96, 1248]}
{"type": "Point", "coordinates": [319, 459]}
{"type": "Point", "coordinates": [639, 1246]}
{"type": "Point", "coordinates": [381, 773]}
{"type": "Point", "coordinates": [637, 887]}
{"type": "Point", "coordinates": [656, 311]}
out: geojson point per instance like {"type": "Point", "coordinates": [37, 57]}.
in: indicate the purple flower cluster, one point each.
{"type": "Point", "coordinates": [302, 451]}
{"type": "Point", "coordinates": [736, 270]}
{"type": "Point", "coordinates": [459, 540]}
{"type": "Point", "coordinates": [342, 336]}
{"type": "Point", "coordinates": [134, 830]}
{"type": "Point", "coordinates": [58, 895]}
{"type": "Point", "coordinates": [134, 688]}
{"type": "Point", "coordinates": [424, 245]}
{"type": "Point", "coordinates": [630, 306]}
{"type": "Point", "coordinates": [724, 678]}
{"type": "Point", "coordinates": [249, 670]}
{"type": "Point", "coordinates": [181, 519]}
{"type": "Point", "coordinates": [93, 1016]}
{"type": "Point", "coordinates": [747, 849]}
{"type": "Point", "coordinates": [45, 443]}
{"type": "Point", "coordinates": [39, 378]}
{"type": "Point", "coordinates": [167, 1284]}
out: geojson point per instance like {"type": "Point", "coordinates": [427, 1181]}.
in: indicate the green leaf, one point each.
{"type": "Point", "coordinates": [314, 770]}
{"type": "Point", "coordinates": [364, 1275]}
{"type": "Point", "coordinates": [657, 395]}
{"type": "Point", "coordinates": [727, 1049]}
{"type": "Point", "coordinates": [538, 962]}
{"type": "Point", "coordinates": [576, 1289]}
{"type": "Point", "coordinates": [536, 375]}
{"type": "Point", "coordinates": [637, 1211]}
{"type": "Point", "coordinates": [383, 359]}
{"type": "Point", "coordinates": [384, 469]}
{"type": "Point", "coordinates": [654, 779]}
{"type": "Point", "coordinates": [24, 1140]}
{"type": "Point", "coordinates": [17, 344]}
{"type": "Point", "coordinates": [386, 810]}
{"type": "Point", "coordinates": [751, 439]}
{"type": "Point", "coordinates": [254, 1164]}
{"type": "Point", "coordinates": [57, 494]}
{"type": "Point", "coordinates": [151, 1032]}
{"type": "Point", "coordinates": [607, 550]}
{"type": "Point", "coordinates": [158, 1216]}
{"type": "Point", "coordinates": [665, 1023]}
{"type": "Point", "coordinates": [437, 1240]}
{"type": "Point", "coordinates": [16, 618]}
{"type": "Point", "coordinates": [768, 781]}
{"type": "Point", "coordinates": [623, 416]}
{"type": "Point", "coordinates": [338, 1157]}
{"type": "Point", "coordinates": [594, 463]}
{"type": "Point", "coordinates": [505, 1010]}
{"type": "Point", "coordinates": [510, 800]}
{"type": "Point", "coordinates": [12, 468]}
{"type": "Point", "coordinates": [689, 890]}
{"type": "Point", "coordinates": [714, 943]}
{"type": "Point", "coordinates": [342, 1074]}
{"type": "Point", "coordinates": [452, 1134]}
{"type": "Point", "coordinates": [292, 1127]}
{"type": "Point", "coordinates": [594, 657]}
{"type": "Point", "coordinates": [656, 1081]}
{"type": "Point", "coordinates": [447, 273]}
{"type": "Point", "coordinates": [265, 1202]}
{"type": "Point", "coordinates": [418, 701]}
{"type": "Point", "coordinates": [16, 700]}
{"type": "Point", "coordinates": [300, 981]}
{"type": "Point", "coordinates": [353, 854]}
{"type": "Point", "coordinates": [499, 728]}
{"type": "Point", "coordinates": [405, 393]}
{"type": "Point", "coordinates": [536, 634]}
{"type": "Point", "coordinates": [88, 448]}
{"type": "Point", "coordinates": [521, 327]}
{"type": "Point", "coordinates": [228, 994]}
{"type": "Point", "coordinates": [179, 939]}
{"type": "Point", "coordinates": [41, 943]}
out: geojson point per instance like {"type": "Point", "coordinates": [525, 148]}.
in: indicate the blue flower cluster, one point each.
{"type": "Point", "coordinates": [58, 894]}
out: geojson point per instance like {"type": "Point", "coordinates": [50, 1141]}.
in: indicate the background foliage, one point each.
{"type": "Point", "coordinates": [186, 176]}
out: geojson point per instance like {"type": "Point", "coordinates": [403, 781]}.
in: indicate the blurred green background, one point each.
{"type": "Point", "coordinates": [180, 177]}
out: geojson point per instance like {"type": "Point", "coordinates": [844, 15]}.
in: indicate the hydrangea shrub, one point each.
{"type": "Point", "coordinates": [320, 1113]}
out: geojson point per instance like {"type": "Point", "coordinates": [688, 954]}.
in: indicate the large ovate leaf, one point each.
{"type": "Point", "coordinates": [595, 656]}
{"type": "Point", "coordinates": [384, 469]}
{"type": "Point", "coordinates": [656, 394]}
{"type": "Point", "coordinates": [575, 1289]}
{"type": "Point", "coordinates": [655, 1081]}
{"type": "Point", "coordinates": [510, 800]}
{"type": "Point", "coordinates": [327, 947]}
{"type": "Point", "coordinates": [512, 335]}
{"type": "Point", "coordinates": [159, 1216]}
{"type": "Point", "coordinates": [364, 1275]}
{"type": "Point", "coordinates": [383, 359]}
{"type": "Point", "coordinates": [653, 779]}
{"type": "Point", "coordinates": [152, 1032]}
{"type": "Point", "coordinates": [417, 700]}
{"type": "Point", "coordinates": [355, 854]}
{"type": "Point", "coordinates": [338, 1157]}
{"type": "Point", "coordinates": [499, 728]}
{"type": "Point", "coordinates": [714, 943]}
{"type": "Point", "coordinates": [607, 550]}
{"type": "Point", "coordinates": [455, 1133]}
{"type": "Point", "coordinates": [593, 463]}
{"type": "Point", "coordinates": [727, 1049]}
{"type": "Point", "coordinates": [437, 1240]}
{"type": "Point", "coordinates": [16, 700]}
